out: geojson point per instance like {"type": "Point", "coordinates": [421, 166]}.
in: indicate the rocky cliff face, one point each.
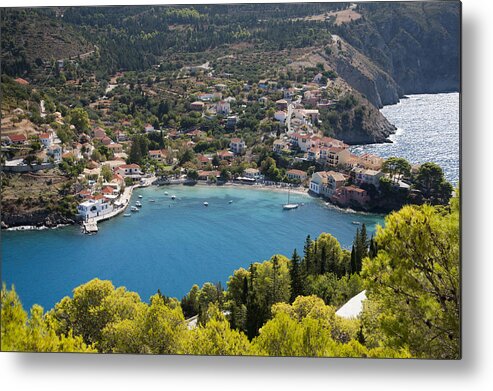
{"type": "Point", "coordinates": [38, 218]}
{"type": "Point", "coordinates": [361, 73]}
{"type": "Point", "coordinates": [417, 44]}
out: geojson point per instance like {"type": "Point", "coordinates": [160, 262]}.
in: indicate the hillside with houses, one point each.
{"type": "Point", "coordinates": [222, 115]}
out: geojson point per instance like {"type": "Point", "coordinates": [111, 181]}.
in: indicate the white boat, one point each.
{"type": "Point", "coordinates": [289, 206]}
{"type": "Point", "coordinates": [138, 203]}
{"type": "Point", "coordinates": [127, 214]}
{"type": "Point", "coordinates": [355, 222]}
{"type": "Point", "coordinates": [165, 193]}
{"type": "Point", "coordinates": [206, 204]}
{"type": "Point", "coordinates": [230, 201]}
{"type": "Point", "coordinates": [173, 197]}
{"type": "Point", "coordinates": [140, 196]}
{"type": "Point", "coordinates": [152, 200]}
{"type": "Point", "coordinates": [134, 209]}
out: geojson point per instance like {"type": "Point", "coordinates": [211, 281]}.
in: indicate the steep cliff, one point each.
{"type": "Point", "coordinates": [416, 43]}
{"type": "Point", "coordinates": [360, 72]}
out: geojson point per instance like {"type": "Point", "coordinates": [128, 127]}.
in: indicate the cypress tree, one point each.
{"type": "Point", "coordinates": [307, 255]}
{"type": "Point", "coordinates": [323, 259]}
{"type": "Point", "coordinates": [294, 271]}
{"type": "Point", "coordinates": [353, 260]}
{"type": "Point", "coordinates": [373, 248]}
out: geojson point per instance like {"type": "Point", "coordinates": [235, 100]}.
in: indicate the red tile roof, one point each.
{"type": "Point", "coordinates": [21, 81]}
{"type": "Point", "coordinates": [15, 138]}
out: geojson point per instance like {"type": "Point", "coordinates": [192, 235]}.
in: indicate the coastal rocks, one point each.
{"type": "Point", "coordinates": [39, 218]}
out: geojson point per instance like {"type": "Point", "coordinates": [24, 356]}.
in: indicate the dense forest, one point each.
{"type": "Point", "coordinates": [280, 307]}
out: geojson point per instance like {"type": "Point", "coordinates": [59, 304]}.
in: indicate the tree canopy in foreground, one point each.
{"type": "Point", "coordinates": [411, 275]}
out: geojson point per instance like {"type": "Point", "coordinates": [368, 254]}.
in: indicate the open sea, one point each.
{"type": "Point", "coordinates": [427, 131]}
{"type": "Point", "coordinates": [171, 245]}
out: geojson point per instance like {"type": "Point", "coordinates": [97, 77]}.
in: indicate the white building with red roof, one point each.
{"type": "Point", "coordinates": [129, 170]}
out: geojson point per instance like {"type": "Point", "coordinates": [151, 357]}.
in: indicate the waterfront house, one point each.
{"type": "Point", "coordinates": [318, 180]}
{"type": "Point", "coordinates": [253, 173]}
{"type": "Point", "coordinates": [350, 195]}
{"type": "Point", "coordinates": [297, 175]}
{"type": "Point", "coordinates": [237, 146]}
{"type": "Point", "coordinates": [95, 207]}
{"type": "Point", "coordinates": [335, 156]}
{"type": "Point", "coordinates": [205, 175]}
{"type": "Point", "coordinates": [335, 180]}
{"type": "Point", "coordinates": [370, 161]}
{"type": "Point", "coordinates": [365, 176]}
{"type": "Point", "coordinates": [129, 170]}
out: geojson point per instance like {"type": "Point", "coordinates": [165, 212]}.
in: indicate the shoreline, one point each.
{"type": "Point", "coordinates": [278, 189]}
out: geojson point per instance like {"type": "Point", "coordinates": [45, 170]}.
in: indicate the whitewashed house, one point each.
{"type": "Point", "coordinates": [94, 208]}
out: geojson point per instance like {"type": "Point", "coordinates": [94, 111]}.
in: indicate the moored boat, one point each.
{"type": "Point", "coordinates": [138, 204]}
{"type": "Point", "coordinates": [134, 209]}
{"type": "Point", "coordinates": [173, 197]}
{"type": "Point", "coordinates": [206, 203]}
{"type": "Point", "coordinates": [289, 206]}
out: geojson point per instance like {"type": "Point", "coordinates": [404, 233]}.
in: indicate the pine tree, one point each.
{"type": "Point", "coordinates": [295, 273]}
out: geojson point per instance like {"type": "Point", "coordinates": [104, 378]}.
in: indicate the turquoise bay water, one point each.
{"type": "Point", "coordinates": [170, 245]}
{"type": "Point", "coordinates": [427, 131]}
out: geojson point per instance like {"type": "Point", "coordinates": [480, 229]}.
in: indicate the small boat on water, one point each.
{"type": "Point", "coordinates": [165, 193]}
{"type": "Point", "coordinates": [289, 206]}
{"type": "Point", "coordinates": [355, 222]}
{"type": "Point", "coordinates": [138, 203]}
{"type": "Point", "coordinates": [173, 197]}
{"type": "Point", "coordinates": [140, 196]}
{"type": "Point", "coordinates": [127, 214]}
{"type": "Point", "coordinates": [230, 202]}
{"type": "Point", "coordinates": [206, 204]}
{"type": "Point", "coordinates": [152, 200]}
{"type": "Point", "coordinates": [134, 209]}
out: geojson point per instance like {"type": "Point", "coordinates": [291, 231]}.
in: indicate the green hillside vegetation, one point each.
{"type": "Point", "coordinates": [280, 307]}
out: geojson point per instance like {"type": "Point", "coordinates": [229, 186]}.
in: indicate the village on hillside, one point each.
{"type": "Point", "coordinates": [214, 142]}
